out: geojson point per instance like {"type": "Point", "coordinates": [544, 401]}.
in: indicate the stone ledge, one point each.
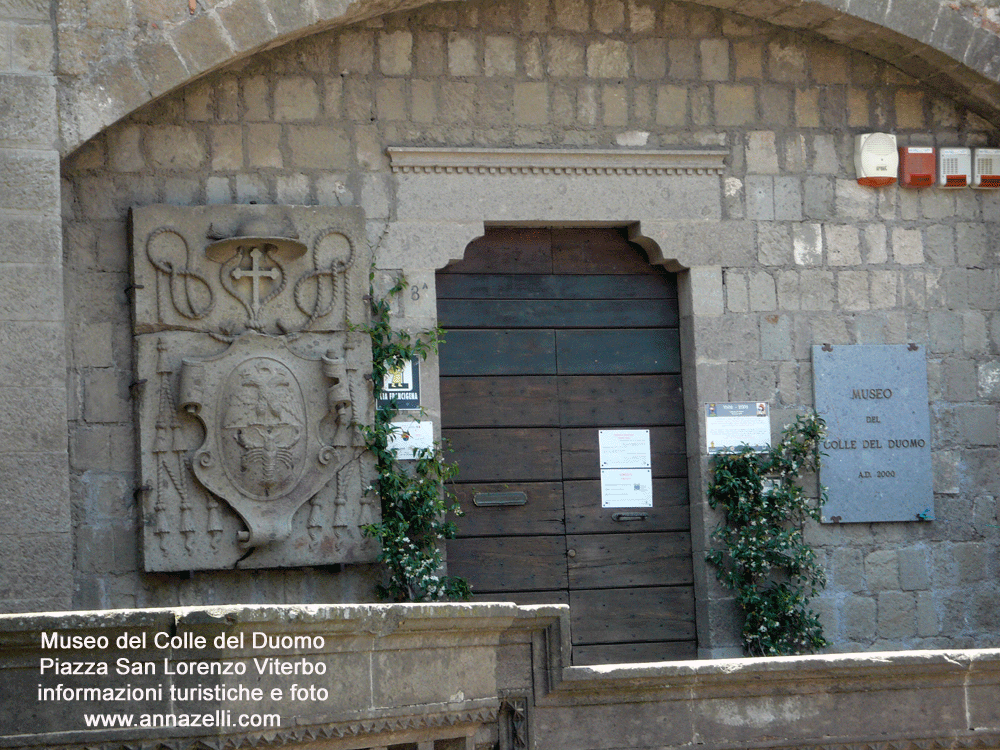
{"type": "Point", "coordinates": [431, 160]}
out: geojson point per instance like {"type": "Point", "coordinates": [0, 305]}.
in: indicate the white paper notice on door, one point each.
{"type": "Point", "coordinates": [626, 475]}
{"type": "Point", "coordinates": [626, 488]}
{"type": "Point", "coordinates": [624, 449]}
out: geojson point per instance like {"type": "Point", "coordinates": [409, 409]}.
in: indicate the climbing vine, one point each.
{"type": "Point", "coordinates": [415, 497]}
{"type": "Point", "coordinates": [764, 558]}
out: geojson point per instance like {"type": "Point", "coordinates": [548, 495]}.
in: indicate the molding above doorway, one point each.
{"type": "Point", "coordinates": [444, 160]}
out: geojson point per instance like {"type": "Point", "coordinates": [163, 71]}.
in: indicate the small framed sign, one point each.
{"type": "Point", "coordinates": [403, 385]}
{"type": "Point", "coordinates": [729, 426]}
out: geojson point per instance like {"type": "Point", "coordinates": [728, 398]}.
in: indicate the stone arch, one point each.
{"type": "Point", "coordinates": [112, 67]}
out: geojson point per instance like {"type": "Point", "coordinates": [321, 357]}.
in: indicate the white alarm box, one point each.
{"type": "Point", "coordinates": [876, 159]}
{"type": "Point", "coordinates": [954, 167]}
{"type": "Point", "coordinates": [986, 168]}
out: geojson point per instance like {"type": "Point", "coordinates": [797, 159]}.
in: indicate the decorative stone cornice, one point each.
{"type": "Point", "coordinates": [543, 161]}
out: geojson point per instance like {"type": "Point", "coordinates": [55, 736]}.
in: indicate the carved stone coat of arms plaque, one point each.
{"type": "Point", "coordinates": [251, 386]}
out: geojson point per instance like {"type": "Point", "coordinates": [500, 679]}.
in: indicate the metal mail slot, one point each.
{"type": "Point", "coordinates": [630, 516]}
{"type": "Point", "coordinates": [488, 499]}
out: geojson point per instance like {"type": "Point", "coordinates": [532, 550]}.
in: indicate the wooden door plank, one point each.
{"type": "Point", "coordinates": [624, 560]}
{"type": "Point", "coordinates": [542, 512]}
{"type": "Point", "coordinates": [507, 454]}
{"type": "Point", "coordinates": [604, 352]}
{"type": "Point", "coordinates": [494, 401]}
{"type": "Point", "coordinates": [632, 615]}
{"type": "Point", "coordinates": [509, 563]}
{"type": "Point", "coordinates": [454, 314]}
{"type": "Point", "coordinates": [584, 514]}
{"type": "Point", "coordinates": [534, 286]}
{"type": "Point", "coordinates": [581, 454]}
{"type": "Point", "coordinates": [506, 250]}
{"type": "Point", "coordinates": [632, 653]}
{"type": "Point", "coordinates": [587, 251]}
{"type": "Point", "coordinates": [620, 400]}
{"type": "Point", "coordinates": [479, 352]}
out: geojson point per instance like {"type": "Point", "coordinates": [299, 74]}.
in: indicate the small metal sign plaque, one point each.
{"type": "Point", "coordinates": [410, 437]}
{"type": "Point", "coordinates": [730, 426]}
{"type": "Point", "coordinates": [877, 465]}
{"type": "Point", "coordinates": [402, 384]}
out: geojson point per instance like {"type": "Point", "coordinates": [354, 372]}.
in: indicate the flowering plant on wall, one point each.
{"type": "Point", "coordinates": [414, 494]}
{"type": "Point", "coordinates": [764, 558]}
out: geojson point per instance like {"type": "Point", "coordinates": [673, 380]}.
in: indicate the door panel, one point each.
{"type": "Point", "coordinates": [629, 559]}
{"type": "Point", "coordinates": [511, 563]}
{"type": "Point", "coordinates": [551, 336]}
{"type": "Point", "coordinates": [541, 513]}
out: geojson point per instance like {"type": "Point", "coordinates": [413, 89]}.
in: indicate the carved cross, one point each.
{"type": "Point", "coordinates": [255, 274]}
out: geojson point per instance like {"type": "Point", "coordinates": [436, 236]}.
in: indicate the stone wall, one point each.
{"type": "Point", "coordinates": [35, 540]}
{"type": "Point", "coordinates": [794, 253]}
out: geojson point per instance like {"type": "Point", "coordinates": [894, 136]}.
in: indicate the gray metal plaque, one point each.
{"type": "Point", "coordinates": [877, 465]}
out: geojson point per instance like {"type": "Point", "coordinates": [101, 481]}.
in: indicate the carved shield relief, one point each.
{"type": "Point", "coordinates": [251, 385]}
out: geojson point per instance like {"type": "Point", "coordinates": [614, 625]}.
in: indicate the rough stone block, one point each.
{"type": "Point", "coordinates": [683, 55]}
{"type": "Point", "coordinates": [531, 103]}
{"type": "Point", "coordinates": [463, 55]}
{"type": "Point", "coordinates": [977, 423]}
{"type": "Point", "coordinates": [395, 48]}
{"type": "Point", "coordinates": [910, 109]}
{"type": "Point", "coordinates": [37, 481]}
{"type": "Point", "coordinates": [762, 292]}
{"type": "Point", "coordinates": [30, 112]}
{"type": "Point", "coordinates": [390, 99]}
{"type": "Point", "coordinates": [907, 246]}
{"type": "Point", "coordinates": [29, 180]}
{"type": "Point", "coordinates": [913, 571]}
{"type": "Point", "coordinates": [875, 238]}
{"type": "Point", "coordinates": [608, 59]}
{"type": "Point", "coordinates": [296, 98]}
{"type": "Point", "coordinates": [972, 245]}
{"type": "Point", "coordinates": [33, 419]}
{"type": "Point", "coordinates": [32, 49]}
{"type": "Point", "coordinates": [736, 292]}
{"type": "Point", "coordinates": [29, 292]}
{"type": "Point", "coordinates": [774, 244]}
{"type": "Point", "coordinates": [572, 14]}
{"type": "Point", "coordinates": [201, 42]}
{"type": "Point", "coordinates": [786, 62]}
{"type": "Point", "coordinates": [848, 570]}
{"type": "Point", "coordinates": [649, 58]}
{"type": "Point", "coordinates": [614, 101]}
{"type": "Point", "coordinates": [246, 23]}
{"type": "Point", "coordinates": [817, 198]}
{"type": "Point", "coordinates": [311, 145]}
{"type": "Point", "coordinates": [671, 105]}
{"type": "Point", "coordinates": [807, 108]}
{"type": "Point", "coordinates": [817, 290]}
{"type": "Point", "coordinates": [855, 201]}
{"type": "Point", "coordinates": [226, 144]}
{"type": "Point", "coordinates": [30, 240]}
{"type": "Point", "coordinates": [853, 290]}
{"type": "Point", "coordinates": [175, 148]}
{"type": "Point", "coordinates": [776, 337]}
{"type": "Point", "coordinates": [858, 618]}
{"type": "Point", "coordinates": [945, 330]}
{"type": "Point", "coordinates": [264, 145]}
{"type": "Point", "coordinates": [882, 570]}
{"type": "Point", "coordinates": [897, 612]}
{"type": "Point", "coordinates": [883, 289]}
{"type": "Point", "coordinates": [608, 15]}
{"type": "Point", "coordinates": [843, 245]}
{"type": "Point", "coordinates": [714, 59]}
{"type": "Point", "coordinates": [356, 52]}
{"type": "Point", "coordinates": [728, 338]}
{"type": "Point", "coordinates": [760, 197]}
{"type": "Point", "coordinates": [501, 56]}
{"type": "Point", "coordinates": [762, 154]}
{"type": "Point", "coordinates": [970, 561]}
{"type": "Point", "coordinates": [735, 105]}
{"type": "Point", "coordinates": [825, 159]}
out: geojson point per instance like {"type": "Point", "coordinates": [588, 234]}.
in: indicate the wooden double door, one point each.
{"type": "Point", "coordinates": [552, 335]}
